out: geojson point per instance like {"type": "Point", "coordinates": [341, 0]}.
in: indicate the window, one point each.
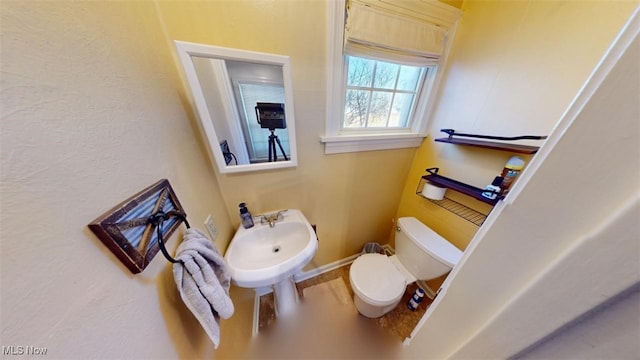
{"type": "Point", "coordinates": [383, 72]}
{"type": "Point", "coordinates": [380, 95]}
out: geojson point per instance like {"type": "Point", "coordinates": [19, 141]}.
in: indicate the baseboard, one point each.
{"type": "Point", "coordinates": [302, 276]}
{"type": "Point", "coordinates": [324, 268]}
{"type": "Point", "coordinates": [334, 265]}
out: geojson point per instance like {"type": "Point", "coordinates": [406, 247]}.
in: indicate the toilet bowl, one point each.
{"type": "Point", "coordinates": [379, 281]}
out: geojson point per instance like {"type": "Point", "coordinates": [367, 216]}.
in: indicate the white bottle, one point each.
{"type": "Point", "coordinates": [416, 299]}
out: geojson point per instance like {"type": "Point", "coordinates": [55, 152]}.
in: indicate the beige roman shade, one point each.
{"type": "Point", "coordinates": [400, 31]}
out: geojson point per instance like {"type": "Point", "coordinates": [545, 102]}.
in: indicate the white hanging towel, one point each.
{"type": "Point", "coordinates": [204, 286]}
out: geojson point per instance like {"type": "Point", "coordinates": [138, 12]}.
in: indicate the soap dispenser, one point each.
{"type": "Point", "coordinates": [245, 216]}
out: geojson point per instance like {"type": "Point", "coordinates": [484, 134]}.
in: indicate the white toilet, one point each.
{"type": "Point", "coordinates": [379, 281]}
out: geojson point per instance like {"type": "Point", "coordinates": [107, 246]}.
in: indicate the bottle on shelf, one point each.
{"type": "Point", "coordinates": [510, 172]}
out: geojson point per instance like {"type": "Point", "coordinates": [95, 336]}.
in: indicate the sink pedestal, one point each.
{"type": "Point", "coordinates": [285, 296]}
{"type": "Point", "coordinates": [268, 256]}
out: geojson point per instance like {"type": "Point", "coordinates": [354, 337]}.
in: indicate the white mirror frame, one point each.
{"type": "Point", "coordinates": [186, 51]}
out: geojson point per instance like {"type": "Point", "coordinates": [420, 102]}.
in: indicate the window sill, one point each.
{"type": "Point", "coordinates": [355, 143]}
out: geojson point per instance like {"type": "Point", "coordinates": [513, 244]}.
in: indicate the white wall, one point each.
{"type": "Point", "coordinates": [616, 322]}
{"type": "Point", "coordinates": [566, 243]}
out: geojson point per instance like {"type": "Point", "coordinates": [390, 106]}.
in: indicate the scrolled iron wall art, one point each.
{"type": "Point", "coordinates": [128, 230]}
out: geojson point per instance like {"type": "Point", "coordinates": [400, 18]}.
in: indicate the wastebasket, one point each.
{"type": "Point", "coordinates": [373, 248]}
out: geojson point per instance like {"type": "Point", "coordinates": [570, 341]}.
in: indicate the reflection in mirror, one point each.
{"type": "Point", "coordinates": [245, 105]}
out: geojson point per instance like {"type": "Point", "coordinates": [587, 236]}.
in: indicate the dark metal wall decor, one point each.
{"type": "Point", "coordinates": [128, 228]}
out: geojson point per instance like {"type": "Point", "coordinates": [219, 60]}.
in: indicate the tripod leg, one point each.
{"type": "Point", "coordinates": [271, 148]}
{"type": "Point", "coordinates": [281, 149]}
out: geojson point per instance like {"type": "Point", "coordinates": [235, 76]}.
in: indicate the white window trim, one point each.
{"type": "Point", "coordinates": [337, 140]}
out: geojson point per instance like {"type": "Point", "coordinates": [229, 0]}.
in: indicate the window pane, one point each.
{"type": "Point", "coordinates": [355, 108]}
{"type": "Point", "coordinates": [409, 77]}
{"type": "Point", "coordinates": [386, 75]}
{"type": "Point", "coordinates": [360, 72]}
{"type": "Point", "coordinates": [371, 88]}
{"type": "Point", "coordinates": [379, 111]}
{"type": "Point", "coordinates": [401, 110]}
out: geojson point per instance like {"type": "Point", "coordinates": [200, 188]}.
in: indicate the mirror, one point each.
{"type": "Point", "coordinates": [244, 101]}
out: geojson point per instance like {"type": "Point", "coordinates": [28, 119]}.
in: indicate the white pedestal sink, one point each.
{"type": "Point", "coordinates": [265, 256]}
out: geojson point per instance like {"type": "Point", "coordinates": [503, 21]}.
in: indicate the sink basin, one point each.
{"type": "Point", "coordinates": [264, 256]}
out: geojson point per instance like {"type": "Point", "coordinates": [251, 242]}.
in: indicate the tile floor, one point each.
{"type": "Point", "coordinates": [399, 322]}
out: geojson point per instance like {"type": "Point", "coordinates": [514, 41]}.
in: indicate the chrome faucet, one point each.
{"type": "Point", "coordinates": [271, 219]}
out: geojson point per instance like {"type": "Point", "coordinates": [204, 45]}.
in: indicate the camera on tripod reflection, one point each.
{"type": "Point", "coordinates": [270, 116]}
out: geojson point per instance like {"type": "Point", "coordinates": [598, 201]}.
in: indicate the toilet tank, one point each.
{"type": "Point", "coordinates": [422, 251]}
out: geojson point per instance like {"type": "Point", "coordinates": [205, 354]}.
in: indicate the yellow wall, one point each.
{"type": "Point", "coordinates": [514, 68]}
{"type": "Point", "coordinates": [90, 116]}
{"type": "Point", "coordinates": [352, 198]}
{"type": "Point", "coordinates": [454, 3]}
{"type": "Point", "coordinates": [93, 110]}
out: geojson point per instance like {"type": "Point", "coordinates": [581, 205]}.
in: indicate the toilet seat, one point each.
{"type": "Point", "coordinates": [376, 280]}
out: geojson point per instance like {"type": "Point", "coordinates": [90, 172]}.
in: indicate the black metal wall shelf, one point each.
{"type": "Point", "coordinates": [472, 215]}
{"type": "Point", "coordinates": [455, 207]}
{"type": "Point", "coordinates": [501, 146]}
{"type": "Point", "coordinates": [458, 186]}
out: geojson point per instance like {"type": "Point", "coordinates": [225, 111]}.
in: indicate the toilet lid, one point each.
{"type": "Point", "coordinates": [374, 277]}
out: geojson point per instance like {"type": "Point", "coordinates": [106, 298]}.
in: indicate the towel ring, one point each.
{"type": "Point", "coordinates": [157, 219]}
